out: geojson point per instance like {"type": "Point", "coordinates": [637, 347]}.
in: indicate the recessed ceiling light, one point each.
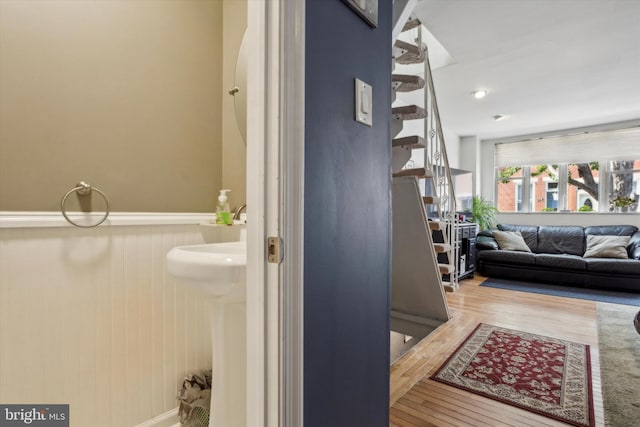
{"type": "Point", "coordinates": [479, 94]}
{"type": "Point", "coordinates": [499, 117]}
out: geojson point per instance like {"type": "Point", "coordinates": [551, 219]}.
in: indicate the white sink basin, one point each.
{"type": "Point", "coordinates": [220, 270]}
{"type": "Point", "coordinates": [217, 268]}
{"type": "Point", "coordinates": [216, 233]}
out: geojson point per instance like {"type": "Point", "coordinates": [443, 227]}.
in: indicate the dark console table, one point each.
{"type": "Point", "coordinates": [466, 244]}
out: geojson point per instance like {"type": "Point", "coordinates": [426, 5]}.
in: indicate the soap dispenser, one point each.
{"type": "Point", "coordinates": [223, 213]}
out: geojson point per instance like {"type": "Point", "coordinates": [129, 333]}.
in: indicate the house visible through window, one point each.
{"type": "Point", "coordinates": [552, 196]}
{"type": "Point", "coordinates": [518, 185]}
{"type": "Point", "coordinates": [581, 172]}
{"type": "Point", "coordinates": [509, 189]}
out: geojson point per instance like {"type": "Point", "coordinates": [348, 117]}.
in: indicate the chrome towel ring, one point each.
{"type": "Point", "coordinates": [84, 189]}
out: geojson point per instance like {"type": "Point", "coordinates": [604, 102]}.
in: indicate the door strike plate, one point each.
{"type": "Point", "coordinates": [275, 250]}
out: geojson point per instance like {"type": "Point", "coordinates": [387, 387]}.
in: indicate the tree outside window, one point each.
{"type": "Point", "coordinates": [582, 192]}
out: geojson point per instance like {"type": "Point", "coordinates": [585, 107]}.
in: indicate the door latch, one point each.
{"type": "Point", "coordinates": [275, 250]}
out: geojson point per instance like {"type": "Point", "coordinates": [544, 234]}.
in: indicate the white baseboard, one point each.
{"type": "Point", "coordinates": [168, 419]}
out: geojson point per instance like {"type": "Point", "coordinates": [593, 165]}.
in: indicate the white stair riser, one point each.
{"type": "Point", "coordinates": [396, 127]}
{"type": "Point", "coordinates": [401, 155]}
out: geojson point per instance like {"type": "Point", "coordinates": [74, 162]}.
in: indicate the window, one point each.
{"type": "Point", "coordinates": [552, 196]}
{"type": "Point", "coordinates": [509, 189]}
{"type": "Point", "coordinates": [518, 199]}
{"type": "Point", "coordinates": [580, 172]}
{"type": "Point", "coordinates": [623, 186]}
{"type": "Point", "coordinates": [513, 191]}
{"type": "Point", "coordinates": [583, 187]}
{"type": "Point", "coordinates": [544, 184]}
{"type": "Point", "coordinates": [580, 191]}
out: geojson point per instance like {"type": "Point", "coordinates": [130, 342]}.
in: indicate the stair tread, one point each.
{"type": "Point", "coordinates": [406, 78]}
{"type": "Point", "coordinates": [446, 268]}
{"type": "Point", "coordinates": [436, 225]}
{"type": "Point", "coordinates": [442, 247]}
{"type": "Point", "coordinates": [430, 200]}
{"type": "Point", "coordinates": [406, 82]}
{"type": "Point", "coordinates": [411, 23]}
{"type": "Point", "coordinates": [407, 53]}
{"type": "Point", "coordinates": [448, 286]}
{"type": "Point", "coordinates": [417, 172]}
{"type": "Point", "coordinates": [413, 141]}
{"type": "Point", "coordinates": [408, 112]}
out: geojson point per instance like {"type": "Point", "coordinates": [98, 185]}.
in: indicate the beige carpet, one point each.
{"type": "Point", "coordinates": [619, 345]}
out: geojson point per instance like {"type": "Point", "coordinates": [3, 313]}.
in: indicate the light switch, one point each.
{"type": "Point", "coordinates": [364, 103]}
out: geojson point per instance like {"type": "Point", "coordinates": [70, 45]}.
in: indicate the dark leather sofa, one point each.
{"type": "Point", "coordinates": [557, 257]}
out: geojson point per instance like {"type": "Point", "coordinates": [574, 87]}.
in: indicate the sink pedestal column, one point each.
{"type": "Point", "coordinates": [219, 269]}
{"type": "Point", "coordinates": [229, 379]}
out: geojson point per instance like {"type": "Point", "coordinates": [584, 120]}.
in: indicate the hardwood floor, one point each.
{"type": "Point", "coordinates": [418, 401]}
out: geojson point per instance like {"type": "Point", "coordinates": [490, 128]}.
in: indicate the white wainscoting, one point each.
{"type": "Point", "coordinates": [88, 317]}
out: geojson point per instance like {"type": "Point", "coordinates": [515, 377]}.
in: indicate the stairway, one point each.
{"type": "Point", "coordinates": [424, 218]}
{"type": "Point", "coordinates": [439, 199]}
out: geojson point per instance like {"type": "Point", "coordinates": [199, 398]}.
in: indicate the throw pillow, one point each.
{"type": "Point", "coordinates": [606, 246]}
{"type": "Point", "coordinates": [511, 241]}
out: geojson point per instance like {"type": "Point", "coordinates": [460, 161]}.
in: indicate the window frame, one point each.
{"type": "Point", "coordinates": [526, 182]}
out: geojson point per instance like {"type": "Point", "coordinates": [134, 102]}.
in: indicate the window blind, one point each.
{"type": "Point", "coordinates": [579, 148]}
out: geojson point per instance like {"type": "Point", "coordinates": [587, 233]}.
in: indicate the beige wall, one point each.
{"type": "Point", "coordinates": [125, 95]}
{"type": "Point", "coordinates": [234, 151]}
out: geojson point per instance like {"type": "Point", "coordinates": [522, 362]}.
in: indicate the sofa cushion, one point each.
{"type": "Point", "coordinates": [606, 247]}
{"type": "Point", "coordinates": [566, 239]}
{"type": "Point", "coordinates": [508, 257]}
{"type": "Point", "coordinates": [611, 230]}
{"type": "Point", "coordinates": [529, 233]}
{"type": "Point", "coordinates": [510, 241]}
{"type": "Point", "coordinates": [613, 266]}
{"type": "Point", "coordinates": [563, 262]}
{"type": "Point", "coordinates": [484, 242]}
{"type": "Point", "coordinates": [633, 250]}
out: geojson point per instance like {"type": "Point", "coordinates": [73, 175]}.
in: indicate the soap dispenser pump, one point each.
{"type": "Point", "coordinates": [223, 213]}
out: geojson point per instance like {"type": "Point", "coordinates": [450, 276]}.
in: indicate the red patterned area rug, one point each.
{"type": "Point", "coordinates": [544, 375]}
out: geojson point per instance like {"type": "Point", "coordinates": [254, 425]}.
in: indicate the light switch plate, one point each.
{"type": "Point", "coordinates": [364, 103]}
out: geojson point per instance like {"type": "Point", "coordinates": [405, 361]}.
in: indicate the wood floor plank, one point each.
{"type": "Point", "coordinates": [402, 419]}
{"type": "Point", "coordinates": [416, 400]}
{"type": "Point", "coordinates": [455, 409]}
{"type": "Point", "coordinates": [423, 413]}
{"type": "Point", "coordinates": [491, 412]}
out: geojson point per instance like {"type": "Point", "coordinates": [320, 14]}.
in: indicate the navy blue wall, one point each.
{"type": "Point", "coordinates": [347, 219]}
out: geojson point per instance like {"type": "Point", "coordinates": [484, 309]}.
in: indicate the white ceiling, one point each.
{"type": "Point", "coordinates": [547, 64]}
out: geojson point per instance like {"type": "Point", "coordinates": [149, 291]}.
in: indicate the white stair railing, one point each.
{"type": "Point", "coordinates": [437, 161]}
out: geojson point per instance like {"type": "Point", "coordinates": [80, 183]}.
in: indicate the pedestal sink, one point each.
{"type": "Point", "coordinates": [219, 269]}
